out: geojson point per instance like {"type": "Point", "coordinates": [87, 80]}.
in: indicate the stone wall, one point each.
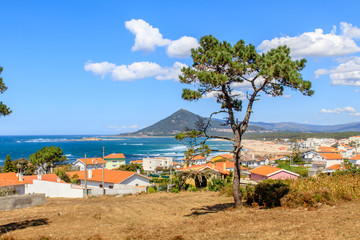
{"type": "Point", "coordinates": [21, 201]}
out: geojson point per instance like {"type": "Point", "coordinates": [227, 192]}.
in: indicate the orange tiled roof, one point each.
{"type": "Point", "coordinates": [10, 179]}
{"type": "Point", "coordinates": [44, 177]}
{"type": "Point", "coordinates": [91, 161]}
{"type": "Point", "coordinates": [336, 167]}
{"type": "Point", "coordinates": [197, 157]}
{"type": "Point", "coordinates": [356, 157]}
{"type": "Point", "coordinates": [326, 149]}
{"type": "Point", "coordinates": [276, 158]}
{"type": "Point", "coordinates": [331, 156]}
{"type": "Point", "coordinates": [110, 176]}
{"type": "Point", "coordinates": [265, 170]}
{"type": "Point", "coordinates": [115, 155]}
{"type": "Point", "coordinates": [136, 161]}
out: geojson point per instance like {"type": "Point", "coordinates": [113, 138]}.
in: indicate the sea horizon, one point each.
{"type": "Point", "coordinates": [134, 148]}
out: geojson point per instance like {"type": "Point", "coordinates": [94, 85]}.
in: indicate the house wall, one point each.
{"type": "Point", "coordinates": [136, 180]}
{"type": "Point", "coordinates": [95, 184]}
{"type": "Point", "coordinates": [150, 164]}
{"type": "Point", "coordinates": [54, 189]}
{"type": "Point", "coordinates": [81, 165]}
{"type": "Point", "coordinates": [257, 177]}
{"type": "Point", "coordinates": [114, 163]}
{"type": "Point", "coordinates": [333, 162]}
{"type": "Point", "coordinates": [283, 175]}
{"type": "Point", "coordinates": [355, 162]}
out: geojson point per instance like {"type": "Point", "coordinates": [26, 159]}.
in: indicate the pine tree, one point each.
{"type": "Point", "coordinates": [8, 165]}
{"type": "Point", "coordinates": [219, 67]}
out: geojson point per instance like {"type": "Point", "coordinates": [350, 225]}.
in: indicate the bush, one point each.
{"type": "Point", "coordinates": [7, 191]}
{"type": "Point", "coordinates": [151, 190]}
{"type": "Point", "coordinates": [267, 193]}
{"type": "Point", "coordinates": [174, 190]}
{"type": "Point", "coordinates": [191, 188]}
{"type": "Point", "coordinates": [215, 184]}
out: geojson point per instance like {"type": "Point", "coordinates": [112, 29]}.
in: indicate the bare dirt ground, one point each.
{"type": "Point", "coordinates": [187, 215]}
{"type": "Point", "coordinates": [265, 148]}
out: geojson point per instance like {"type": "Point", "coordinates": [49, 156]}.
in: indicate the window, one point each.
{"type": "Point", "coordinates": [100, 185]}
{"type": "Point", "coordinates": [137, 184]}
{"type": "Point", "coordinates": [111, 187]}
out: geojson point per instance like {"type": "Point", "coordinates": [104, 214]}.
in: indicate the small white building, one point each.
{"type": "Point", "coordinates": [112, 178]}
{"type": "Point", "coordinates": [355, 160]}
{"type": "Point", "coordinates": [327, 160]}
{"type": "Point", "coordinates": [91, 163]}
{"type": "Point", "coordinates": [150, 164]}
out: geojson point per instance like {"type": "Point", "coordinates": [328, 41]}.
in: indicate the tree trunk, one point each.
{"type": "Point", "coordinates": [236, 180]}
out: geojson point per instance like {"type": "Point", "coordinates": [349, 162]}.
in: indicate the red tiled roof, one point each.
{"type": "Point", "coordinates": [10, 179]}
{"type": "Point", "coordinates": [115, 155]}
{"type": "Point", "coordinates": [276, 158]}
{"type": "Point", "coordinates": [136, 161]}
{"type": "Point", "coordinates": [265, 170]}
{"type": "Point", "coordinates": [197, 157]}
{"type": "Point", "coordinates": [91, 161]}
{"type": "Point", "coordinates": [337, 167]}
{"type": "Point", "coordinates": [110, 176]}
{"type": "Point", "coordinates": [356, 157]}
{"type": "Point", "coordinates": [44, 177]}
{"type": "Point", "coordinates": [331, 156]}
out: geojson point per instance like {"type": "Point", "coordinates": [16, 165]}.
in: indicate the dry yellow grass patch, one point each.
{"type": "Point", "coordinates": [187, 215]}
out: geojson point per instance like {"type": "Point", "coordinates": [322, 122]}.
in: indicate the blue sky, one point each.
{"type": "Point", "coordinates": [105, 67]}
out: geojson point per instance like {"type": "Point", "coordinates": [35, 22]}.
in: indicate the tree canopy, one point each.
{"type": "Point", "coordinates": [8, 165]}
{"type": "Point", "coordinates": [47, 157]}
{"type": "Point", "coordinates": [4, 110]}
{"type": "Point", "coordinates": [221, 70]}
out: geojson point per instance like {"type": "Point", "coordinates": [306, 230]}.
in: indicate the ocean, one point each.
{"type": "Point", "coordinates": [132, 148]}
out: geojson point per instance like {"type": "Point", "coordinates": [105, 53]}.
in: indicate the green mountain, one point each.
{"type": "Point", "coordinates": [182, 120]}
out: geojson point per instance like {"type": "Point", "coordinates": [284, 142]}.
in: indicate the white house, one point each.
{"type": "Point", "coordinates": [91, 163]}
{"type": "Point", "coordinates": [327, 159]}
{"type": "Point", "coordinates": [150, 164]}
{"type": "Point", "coordinates": [112, 178]}
{"type": "Point", "coordinates": [355, 160]}
{"type": "Point", "coordinates": [197, 160]}
{"type": "Point", "coordinates": [12, 180]}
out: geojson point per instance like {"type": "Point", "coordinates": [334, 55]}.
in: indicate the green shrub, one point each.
{"type": "Point", "coordinates": [151, 190]}
{"type": "Point", "coordinates": [174, 190]}
{"type": "Point", "coordinates": [191, 188]}
{"type": "Point", "coordinates": [215, 184]}
{"type": "Point", "coordinates": [267, 193]}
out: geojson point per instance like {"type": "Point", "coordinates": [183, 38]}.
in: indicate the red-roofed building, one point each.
{"type": "Point", "coordinates": [11, 180]}
{"type": "Point", "coordinates": [326, 160]}
{"type": "Point", "coordinates": [114, 160]}
{"type": "Point", "coordinates": [91, 163]}
{"type": "Point", "coordinates": [137, 162]}
{"type": "Point", "coordinates": [112, 178]}
{"type": "Point", "coordinates": [267, 172]}
{"type": "Point", "coordinates": [355, 160]}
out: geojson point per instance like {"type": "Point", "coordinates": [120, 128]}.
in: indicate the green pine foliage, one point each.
{"type": "Point", "coordinates": [4, 110]}
{"type": "Point", "coordinates": [8, 165]}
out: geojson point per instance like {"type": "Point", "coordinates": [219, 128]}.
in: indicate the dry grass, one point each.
{"type": "Point", "coordinates": [187, 215]}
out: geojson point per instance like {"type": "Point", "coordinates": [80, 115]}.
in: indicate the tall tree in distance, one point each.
{"type": "Point", "coordinates": [4, 110]}
{"type": "Point", "coordinates": [8, 165]}
{"type": "Point", "coordinates": [47, 158]}
{"type": "Point", "coordinates": [218, 68]}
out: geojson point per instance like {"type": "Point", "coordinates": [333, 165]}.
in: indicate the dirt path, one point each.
{"type": "Point", "coordinates": [188, 215]}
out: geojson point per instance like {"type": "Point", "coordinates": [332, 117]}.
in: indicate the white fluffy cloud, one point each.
{"type": "Point", "coordinates": [147, 38]}
{"type": "Point", "coordinates": [346, 73]}
{"type": "Point", "coordinates": [181, 48]}
{"type": "Point", "coordinates": [318, 43]}
{"type": "Point", "coordinates": [99, 68]}
{"type": "Point", "coordinates": [339, 110]}
{"type": "Point", "coordinates": [235, 93]}
{"type": "Point", "coordinates": [134, 71]}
